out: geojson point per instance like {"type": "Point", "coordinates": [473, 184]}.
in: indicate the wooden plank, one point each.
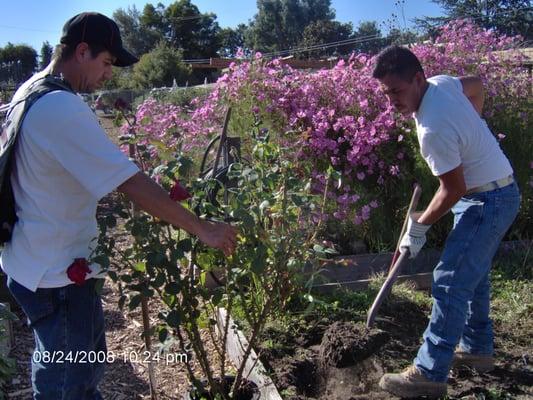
{"type": "Point", "coordinates": [355, 272]}
{"type": "Point", "coordinates": [364, 266]}
{"type": "Point", "coordinates": [254, 370]}
{"type": "Point", "coordinates": [420, 281]}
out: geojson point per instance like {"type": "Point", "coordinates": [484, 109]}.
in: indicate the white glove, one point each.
{"type": "Point", "coordinates": [414, 237]}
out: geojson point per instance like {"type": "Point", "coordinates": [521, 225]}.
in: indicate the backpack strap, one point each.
{"type": "Point", "coordinates": [16, 112]}
{"type": "Point", "coordinates": [15, 116]}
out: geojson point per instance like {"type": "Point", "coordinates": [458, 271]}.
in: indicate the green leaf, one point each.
{"type": "Point", "coordinates": [111, 221]}
{"type": "Point", "coordinates": [140, 267]}
{"type": "Point", "coordinates": [113, 275]}
{"type": "Point", "coordinates": [154, 259]}
{"type": "Point", "coordinates": [174, 318]}
{"type": "Point", "coordinates": [163, 334]}
{"type": "Point", "coordinates": [264, 205]}
{"type": "Point", "coordinates": [121, 301]}
{"type": "Point", "coordinates": [185, 245]}
{"type": "Point", "coordinates": [318, 249]}
{"type": "Point", "coordinates": [134, 302]}
{"type": "Point", "coordinates": [217, 298]}
{"type": "Point", "coordinates": [259, 260]}
{"type": "Point", "coordinates": [102, 260]}
{"type": "Point", "coordinates": [159, 280]}
{"type": "Point", "coordinates": [173, 288]}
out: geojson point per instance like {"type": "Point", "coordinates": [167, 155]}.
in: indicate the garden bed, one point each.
{"type": "Point", "coordinates": [329, 353]}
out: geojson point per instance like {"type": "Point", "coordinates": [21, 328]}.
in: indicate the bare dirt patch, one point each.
{"type": "Point", "coordinates": [345, 361]}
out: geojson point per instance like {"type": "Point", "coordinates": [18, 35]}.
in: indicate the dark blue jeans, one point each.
{"type": "Point", "coordinates": [461, 285]}
{"type": "Point", "coordinates": [70, 350]}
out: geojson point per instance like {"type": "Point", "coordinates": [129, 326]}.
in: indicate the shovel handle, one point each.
{"type": "Point", "coordinates": [398, 260]}
{"type": "Point", "coordinates": [384, 291]}
{"type": "Point", "coordinates": [417, 191]}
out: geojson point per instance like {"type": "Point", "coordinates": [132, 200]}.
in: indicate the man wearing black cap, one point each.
{"type": "Point", "coordinates": [63, 164]}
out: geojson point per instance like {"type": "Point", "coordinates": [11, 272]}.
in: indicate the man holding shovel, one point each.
{"type": "Point", "coordinates": [476, 183]}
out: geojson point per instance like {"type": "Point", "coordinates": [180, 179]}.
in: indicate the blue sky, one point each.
{"type": "Point", "coordinates": [34, 21]}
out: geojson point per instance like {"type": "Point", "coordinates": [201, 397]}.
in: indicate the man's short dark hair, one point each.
{"type": "Point", "coordinates": [396, 60]}
{"type": "Point", "coordinates": [63, 52]}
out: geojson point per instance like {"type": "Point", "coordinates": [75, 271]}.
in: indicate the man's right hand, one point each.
{"type": "Point", "coordinates": [219, 236]}
{"type": "Point", "coordinates": [414, 237]}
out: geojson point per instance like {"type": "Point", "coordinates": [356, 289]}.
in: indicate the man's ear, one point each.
{"type": "Point", "coordinates": [419, 77]}
{"type": "Point", "coordinates": [83, 52]}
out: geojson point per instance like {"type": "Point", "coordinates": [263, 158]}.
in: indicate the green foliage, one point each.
{"type": "Point", "coordinates": [231, 40]}
{"type": "Point", "coordinates": [182, 96]}
{"type": "Point", "coordinates": [269, 200]}
{"type": "Point", "coordinates": [17, 63]}
{"type": "Point", "coordinates": [160, 67]}
{"type": "Point", "coordinates": [518, 146]}
{"type": "Point", "coordinates": [45, 55]}
{"type": "Point", "coordinates": [279, 24]}
{"type": "Point", "coordinates": [510, 17]}
{"type": "Point", "coordinates": [137, 37]}
{"type": "Point", "coordinates": [326, 31]}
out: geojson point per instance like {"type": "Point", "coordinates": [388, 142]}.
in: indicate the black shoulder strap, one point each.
{"type": "Point", "coordinates": [15, 116]}
{"type": "Point", "coordinates": [16, 113]}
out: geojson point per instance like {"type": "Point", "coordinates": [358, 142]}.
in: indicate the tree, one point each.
{"type": "Point", "coordinates": [46, 55]}
{"type": "Point", "coordinates": [231, 40]}
{"type": "Point", "coordinates": [511, 17]}
{"type": "Point", "coordinates": [183, 26]}
{"type": "Point", "coordinates": [369, 39]}
{"type": "Point", "coordinates": [160, 67]}
{"type": "Point", "coordinates": [324, 31]}
{"type": "Point", "coordinates": [137, 36]}
{"type": "Point", "coordinates": [17, 63]}
{"type": "Point", "coordinates": [279, 24]}
{"type": "Point", "coordinates": [401, 37]}
{"type": "Point", "coordinates": [195, 33]}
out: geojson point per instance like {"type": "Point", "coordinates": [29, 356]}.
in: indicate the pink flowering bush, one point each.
{"type": "Point", "coordinates": [338, 121]}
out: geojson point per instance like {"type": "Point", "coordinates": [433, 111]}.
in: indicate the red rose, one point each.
{"type": "Point", "coordinates": [77, 270]}
{"type": "Point", "coordinates": [179, 193]}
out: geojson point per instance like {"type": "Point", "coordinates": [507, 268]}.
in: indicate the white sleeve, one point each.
{"type": "Point", "coordinates": [441, 151]}
{"type": "Point", "coordinates": [78, 142]}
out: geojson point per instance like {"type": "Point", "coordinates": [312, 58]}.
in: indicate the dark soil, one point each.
{"type": "Point", "coordinates": [334, 360]}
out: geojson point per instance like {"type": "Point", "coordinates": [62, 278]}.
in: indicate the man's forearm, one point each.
{"type": "Point", "coordinates": [452, 187]}
{"type": "Point", "coordinates": [150, 197]}
{"type": "Point", "coordinates": [442, 202]}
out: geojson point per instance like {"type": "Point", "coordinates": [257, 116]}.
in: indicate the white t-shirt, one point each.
{"type": "Point", "coordinates": [64, 163]}
{"type": "Point", "coordinates": [451, 133]}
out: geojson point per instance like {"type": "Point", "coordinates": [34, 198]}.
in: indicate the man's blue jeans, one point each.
{"type": "Point", "coordinates": [461, 287]}
{"type": "Point", "coordinates": [70, 350]}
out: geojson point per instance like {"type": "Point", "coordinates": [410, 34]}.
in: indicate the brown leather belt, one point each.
{"type": "Point", "coordinates": [492, 185]}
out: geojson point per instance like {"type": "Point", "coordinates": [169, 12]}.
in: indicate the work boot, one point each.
{"type": "Point", "coordinates": [481, 363]}
{"type": "Point", "coordinates": [412, 383]}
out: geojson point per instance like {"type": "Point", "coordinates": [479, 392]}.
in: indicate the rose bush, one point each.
{"type": "Point", "coordinates": [276, 211]}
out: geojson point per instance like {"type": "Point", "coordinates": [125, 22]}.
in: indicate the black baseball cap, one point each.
{"type": "Point", "coordinates": [96, 28]}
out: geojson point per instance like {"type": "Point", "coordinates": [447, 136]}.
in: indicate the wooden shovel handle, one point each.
{"type": "Point", "coordinates": [417, 191]}
{"type": "Point", "coordinates": [397, 262]}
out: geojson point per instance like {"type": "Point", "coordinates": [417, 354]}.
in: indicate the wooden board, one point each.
{"type": "Point", "coordinates": [254, 370]}
{"type": "Point", "coordinates": [356, 272]}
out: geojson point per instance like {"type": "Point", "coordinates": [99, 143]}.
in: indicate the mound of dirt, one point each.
{"type": "Point", "coordinates": [347, 343]}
